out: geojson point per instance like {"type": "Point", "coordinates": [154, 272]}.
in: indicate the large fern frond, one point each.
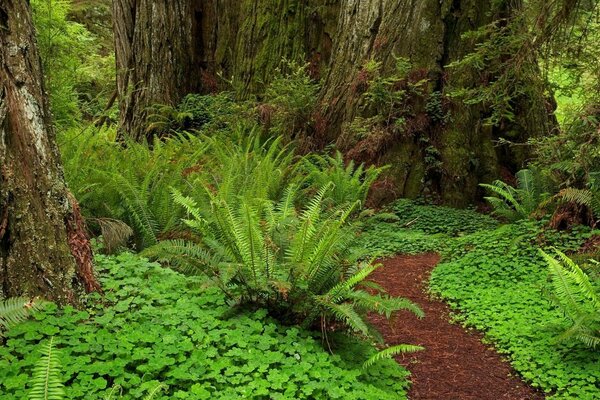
{"type": "Point", "coordinates": [46, 383]}
{"type": "Point", "coordinates": [15, 310]}
{"type": "Point", "coordinates": [577, 297]}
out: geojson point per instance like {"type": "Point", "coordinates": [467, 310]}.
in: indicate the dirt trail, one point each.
{"type": "Point", "coordinates": [455, 364]}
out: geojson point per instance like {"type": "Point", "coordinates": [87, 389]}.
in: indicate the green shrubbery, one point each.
{"type": "Point", "coordinates": [499, 282]}
{"type": "Point", "coordinates": [295, 263]}
{"type": "Point", "coordinates": [578, 297]}
{"type": "Point", "coordinates": [157, 326]}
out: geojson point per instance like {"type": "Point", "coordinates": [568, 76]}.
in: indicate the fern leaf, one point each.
{"type": "Point", "coordinates": [46, 383]}
{"type": "Point", "coordinates": [155, 391]}
{"type": "Point", "coordinates": [391, 352]}
{"type": "Point", "coordinates": [15, 310]}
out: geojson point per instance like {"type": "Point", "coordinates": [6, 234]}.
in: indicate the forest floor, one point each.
{"type": "Point", "coordinates": [455, 364]}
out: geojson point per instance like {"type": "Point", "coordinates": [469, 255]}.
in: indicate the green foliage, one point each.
{"type": "Point", "coordinates": [578, 297]}
{"type": "Point", "coordinates": [351, 183]}
{"type": "Point", "coordinates": [387, 100]}
{"type": "Point", "coordinates": [391, 352]}
{"type": "Point", "coordinates": [77, 76]}
{"type": "Point", "coordinates": [497, 279]}
{"type": "Point", "coordinates": [131, 184]}
{"type": "Point", "coordinates": [292, 95]}
{"type": "Point", "coordinates": [296, 264]}
{"type": "Point", "coordinates": [588, 197]}
{"type": "Point", "coordinates": [156, 326]}
{"type": "Point", "coordinates": [45, 382]}
{"type": "Point", "coordinates": [247, 165]}
{"type": "Point", "coordinates": [521, 202]}
{"type": "Point", "coordinates": [15, 310]}
{"type": "Point", "coordinates": [195, 112]}
{"type": "Point", "coordinates": [447, 220]}
{"type": "Point", "coordinates": [572, 154]}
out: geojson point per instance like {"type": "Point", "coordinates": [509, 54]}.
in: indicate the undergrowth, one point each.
{"type": "Point", "coordinates": [499, 282]}
{"type": "Point", "coordinates": [157, 326]}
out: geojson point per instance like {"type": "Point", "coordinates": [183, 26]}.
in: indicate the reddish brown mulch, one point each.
{"type": "Point", "coordinates": [455, 364]}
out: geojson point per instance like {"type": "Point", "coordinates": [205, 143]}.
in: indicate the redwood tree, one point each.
{"type": "Point", "coordinates": [443, 148]}
{"type": "Point", "coordinates": [43, 247]}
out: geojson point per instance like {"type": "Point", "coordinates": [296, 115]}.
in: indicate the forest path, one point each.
{"type": "Point", "coordinates": [455, 364]}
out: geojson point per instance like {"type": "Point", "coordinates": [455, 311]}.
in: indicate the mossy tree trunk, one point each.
{"type": "Point", "coordinates": [443, 146]}
{"type": "Point", "coordinates": [43, 250]}
{"type": "Point", "coordinates": [166, 51]}
{"type": "Point", "coordinates": [157, 48]}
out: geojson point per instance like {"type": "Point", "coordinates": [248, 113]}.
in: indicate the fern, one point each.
{"type": "Point", "coordinates": [522, 201]}
{"type": "Point", "coordinates": [155, 391]}
{"type": "Point", "coordinates": [46, 383]}
{"type": "Point", "coordinates": [15, 310]}
{"type": "Point", "coordinates": [577, 297]}
{"type": "Point", "coordinates": [351, 183]}
{"type": "Point", "coordinates": [295, 262]}
{"type": "Point", "coordinates": [588, 197]}
{"type": "Point", "coordinates": [391, 352]}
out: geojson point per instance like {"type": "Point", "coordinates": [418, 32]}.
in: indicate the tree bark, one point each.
{"type": "Point", "coordinates": [246, 40]}
{"type": "Point", "coordinates": [43, 247]}
{"type": "Point", "coordinates": [430, 156]}
{"type": "Point", "coordinates": [164, 52]}
{"type": "Point", "coordinates": [156, 49]}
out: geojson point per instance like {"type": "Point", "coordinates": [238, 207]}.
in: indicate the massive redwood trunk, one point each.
{"type": "Point", "coordinates": [43, 247]}
{"type": "Point", "coordinates": [157, 44]}
{"type": "Point", "coordinates": [166, 51]}
{"type": "Point", "coordinates": [439, 146]}
{"type": "Point", "coordinates": [443, 147]}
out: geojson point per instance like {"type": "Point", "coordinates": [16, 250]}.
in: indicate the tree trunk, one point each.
{"type": "Point", "coordinates": [43, 247]}
{"type": "Point", "coordinates": [157, 44]}
{"type": "Point", "coordinates": [442, 147]}
{"type": "Point", "coordinates": [164, 52]}
{"type": "Point", "coordinates": [447, 156]}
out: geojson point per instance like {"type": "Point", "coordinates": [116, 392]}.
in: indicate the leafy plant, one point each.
{"type": "Point", "coordinates": [78, 74]}
{"type": "Point", "coordinates": [297, 264]}
{"type": "Point", "coordinates": [495, 278]}
{"type": "Point", "coordinates": [196, 112]}
{"type": "Point", "coordinates": [246, 164]}
{"type": "Point", "coordinates": [351, 183]}
{"type": "Point", "coordinates": [14, 310]}
{"type": "Point", "coordinates": [391, 352]}
{"type": "Point", "coordinates": [131, 184]}
{"type": "Point", "coordinates": [156, 326]}
{"type": "Point", "coordinates": [46, 383]}
{"type": "Point", "coordinates": [292, 95]}
{"type": "Point", "coordinates": [521, 202]}
{"type": "Point", "coordinates": [589, 197]}
{"type": "Point", "coordinates": [578, 297]}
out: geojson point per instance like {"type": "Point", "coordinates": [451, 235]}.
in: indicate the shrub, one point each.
{"type": "Point", "coordinates": [292, 95]}
{"type": "Point", "coordinates": [297, 264]}
{"type": "Point", "coordinates": [131, 184]}
{"type": "Point", "coordinates": [522, 201]}
{"type": "Point", "coordinates": [351, 183]}
{"type": "Point", "coordinates": [14, 310]}
{"type": "Point", "coordinates": [578, 297]}
{"type": "Point", "coordinates": [158, 326]}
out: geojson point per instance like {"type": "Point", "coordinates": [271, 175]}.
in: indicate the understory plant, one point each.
{"type": "Point", "coordinates": [588, 197]}
{"type": "Point", "coordinates": [14, 310]}
{"type": "Point", "coordinates": [351, 182]}
{"type": "Point", "coordinates": [295, 263]}
{"type": "Point", "coordinates": [521, 201]}
{"type": "Point", "coordinates": [46, 381]}
{"type": "Point", "coordinates": [577, 294]}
